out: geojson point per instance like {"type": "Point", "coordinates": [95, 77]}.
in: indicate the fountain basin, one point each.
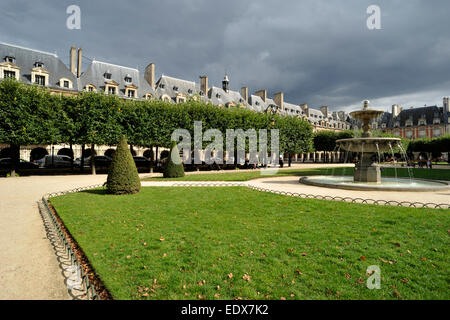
{"type": "Point", "coordinates": [386, 184]}
{"type": "Point", "coordinates": [368, 144]}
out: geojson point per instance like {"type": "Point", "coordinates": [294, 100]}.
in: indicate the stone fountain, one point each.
{"type": "Point", "coordinates": [366, 170]}
{"type": "Point", "coordinates": [367, 174]}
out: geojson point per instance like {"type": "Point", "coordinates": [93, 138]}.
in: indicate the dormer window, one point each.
{"type": "Point", "coordinates": [397, 124]}
{"type": "Point", "coordinates": [190, 91]}
{"type": "Point", "coordinates": [128, 79]}
{"type": "Point", "coordinates": [218, 95]}
{"type": "Point", "coordinates": [257, 103]}
{"type": "Point", "coordinates": [131, 93]}
{"type": "Point", "coordinates": [10, 59]}
{"type": "Point", "coordinates": [111, 90]}
{"type": "Point", "coordinates": [65, 83]}
{"type": "Point", "coordinates": [436, 121]}
{"type": "Point", "coordinates": [175, 88]}
{"type": "Point", "coordinates": [38, 64]}
{"type": "Point", "coordinates": [162, 85]}
{"type": "Point", "coordinates": [40, 80]}
{"type": "Point", "coordinates": [9, 74]}
{"type": "Point", "coordinates": [201, 93]}
{"type": "Point", "coordinates": [107, 75]}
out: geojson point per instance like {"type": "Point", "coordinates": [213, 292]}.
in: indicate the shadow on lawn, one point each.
{"type": "Point", "coordinates": [96, 191]}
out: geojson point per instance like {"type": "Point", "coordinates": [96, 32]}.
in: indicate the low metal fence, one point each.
{"type": "Point", "coordinates": [321, 197]}
{"type": "Point", "coordinates": [87, 285]}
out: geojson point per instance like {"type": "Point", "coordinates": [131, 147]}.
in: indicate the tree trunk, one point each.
{"type": "Point", "coordinates": [71, 156]}
{"type": "Point", "coordinates": [15, 159]}
{"type": "Point", "coordinates": [156, 157]}
{"type": "Point", "coordinates": [82, 158]}
{"type": "Point", "coordinates": [93, 159]}
{"type": "Point", "coordinates": [290, 160]}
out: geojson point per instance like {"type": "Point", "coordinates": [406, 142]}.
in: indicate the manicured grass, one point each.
{"type": "Point", "coordinates": [233, 242]}
{"type": "Point", "coordinates": [440, 174]}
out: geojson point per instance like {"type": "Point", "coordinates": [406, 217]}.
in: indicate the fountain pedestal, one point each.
{"type": "Point", "coordinates": [366, 170]}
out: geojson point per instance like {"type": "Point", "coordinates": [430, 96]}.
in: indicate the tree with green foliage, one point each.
{"type": "Point", "coordinates": [28, 115]}
{"type": "Point", "coordinates": [97, 121]}
{"type": "Point", "coordinates": [295, 135]}
{"type": "Point", "coordinates": [123, 176]}
{"type": "Point", "coordinates": [173, 168]}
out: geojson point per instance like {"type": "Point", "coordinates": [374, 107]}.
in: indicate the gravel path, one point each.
{"type": "Point", "coordinates": [28, 265]}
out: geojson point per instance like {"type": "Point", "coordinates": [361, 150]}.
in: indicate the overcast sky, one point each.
{"type": "Point", "coordinates": [317, 52]}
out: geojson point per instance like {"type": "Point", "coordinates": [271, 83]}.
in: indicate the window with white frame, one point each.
{"type": "Point", "coordinates": [422, 133]}
{"type": "Point", "coordinates": [131, 93]}
{"type": "Point", "coordinates": [436, 132]}
{"type": "Point", "coordinates": [39, 79]}
{"type": "Point", "coordinates": [111, 90]}
{"type": "Point", "coordinates": [9, 74]}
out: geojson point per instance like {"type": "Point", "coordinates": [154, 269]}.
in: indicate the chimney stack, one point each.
{"type": "Point", "coordinates": [149, 74]}
{"type": "Point", "coordinates": [80, 60]}
{"type": "Point", "coordinates": [324, 110]}
{"type": "Point", "coordinates": [204, 84]}
{"type": "Point", "coordinates": [446, 105]}
{"type": "Point", "coordinates": [262, 94]}
{"type": "Point", "coordinates": [305, 108]}
{"type": "Point", "coordinates": [278, 98]}
{"type": "Point", "coordinates": [73, 67]}
{"type": "Point", "coordinates": [244, 93]}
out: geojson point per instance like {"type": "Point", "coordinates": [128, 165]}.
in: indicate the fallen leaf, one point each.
{"type": "Point", "coordinates": [347, 276]}
{"type": "Point", "coordinates": [246, 277]}
{"type": "Point", "coordinates": [161, 239]}
{"type": "Point", "coordinates": [404, 280]}
{"type": "Point", "coordinates": [396, 293]}
{"type": "Point", "coordinates": [363, 258]}
{"type": "Point", "coordinates": [217, 295]}
{"type": "Point", "coordinates": [230, 275]}
{"type": "Point", "coordinates": [282, 298]}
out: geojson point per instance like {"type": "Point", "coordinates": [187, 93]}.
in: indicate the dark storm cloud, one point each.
{"type": "Point", "coordinates": [317, 52]}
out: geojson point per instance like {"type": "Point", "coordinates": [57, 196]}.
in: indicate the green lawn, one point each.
{"type": "Point", "coordinates": [233, 242]}
{"type": "Point", "coordinates": [440, 174]}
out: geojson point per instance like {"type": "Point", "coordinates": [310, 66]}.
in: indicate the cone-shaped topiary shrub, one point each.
{"type": "Point", "coordinates": [172, 169]}
{"type": "Point", "coordinates": [123, 176]}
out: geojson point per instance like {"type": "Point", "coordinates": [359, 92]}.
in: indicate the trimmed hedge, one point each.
{"type": "Point", "coordinates": [171, 169]}
{"type": "Point", "coordinates": [123, 176]}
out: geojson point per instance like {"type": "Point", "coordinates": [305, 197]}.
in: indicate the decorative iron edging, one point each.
{"type": "Point", "coordinates": [87, 285]}
{"type": "Point", "coordinates": [319, 197]}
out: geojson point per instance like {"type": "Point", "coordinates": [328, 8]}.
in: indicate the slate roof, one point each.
{"type": "Point", "coordinates": [218, 96]}
{"type": "Point", "coordinates": [95, 75]}
{"type": "Point", "coordinates": [26, 58]}
{"type": "Point", "coordinates": [415, 114]}
{"type": "Point", "coordinates": [173, 86]}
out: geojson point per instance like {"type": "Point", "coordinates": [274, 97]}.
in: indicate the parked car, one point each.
{"type": "Point", "coordinates": [77, 163]}
{"type": "Point", "coordinates": [101, 161]}
{"type": "Point", "coordinates": [6, 163]}
{"type": "Point", "coordinates": [55, 161]}
{"type": "Point", "coordinates": [141, 162]}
